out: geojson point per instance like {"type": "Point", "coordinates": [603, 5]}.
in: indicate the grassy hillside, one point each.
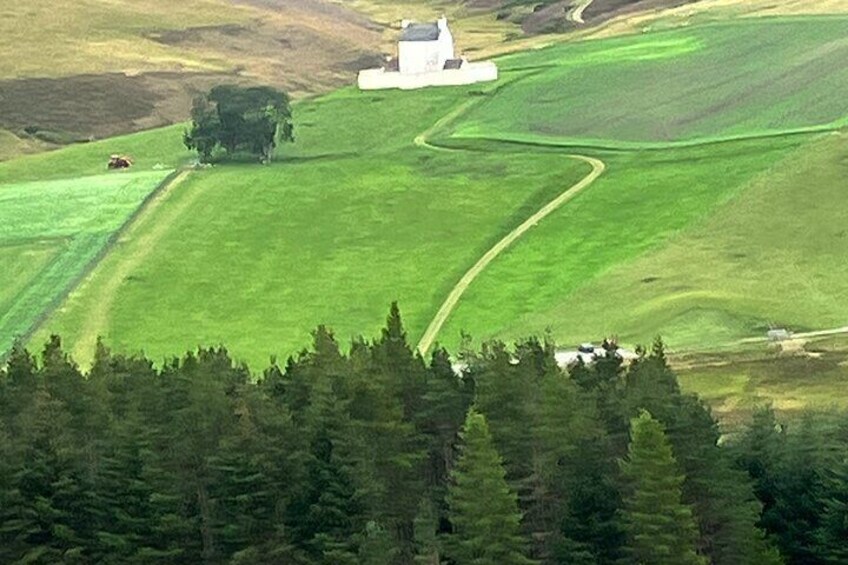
{"type": "Point", "coordinates": [12, 146]}
{"type": "Point", "coordinates": [773, 255]}
{"type": "Point", "coordinates": [645, 198]}
{"type": "Point", "coordinates": [151, 150]}
{"type": "Point", "coordinates": [706, 11]}
{"type": "Point", "coordinates": [354, 215]}
{"type": "Point", "coordinates": [716, 81]}
{"type": "Point", "coordinates": [49, 234]}
{"type": "Point", "coordinates": [257, 257]}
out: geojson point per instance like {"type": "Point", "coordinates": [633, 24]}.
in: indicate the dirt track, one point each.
{"type": "Point", "coordinates": [576, 13]}
{"type": "Point", "coordinates": [97, 317]}
{"type": "Point", "coordinates": [456, 293]}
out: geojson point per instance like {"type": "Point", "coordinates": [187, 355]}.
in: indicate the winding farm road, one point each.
{"type": "Point", "coordinates": [576, 13]}
{"type": "Point", "coordinates": [449, 304]}
{"type": "Point", "coordinates": [452, 300]}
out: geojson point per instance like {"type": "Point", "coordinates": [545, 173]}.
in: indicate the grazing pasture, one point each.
{"type": "Point", "coordinates": [152, 151]}
{"type": "Point", "coordinates": [50, 232]}
{"type": "Point", "coordinates": [718, 81]}
{"type": "Point", "coordinates": [774, 254]}
{"type": "Point", "coordinates": [645, 199]}
{"type": "Point", "coordinates": [361, 211]}
{"type": "Point", "coordinates": [257, 257]}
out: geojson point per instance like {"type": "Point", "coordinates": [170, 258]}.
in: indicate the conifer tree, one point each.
{"type": "Point", "coordinates": [18, 383]}
{"type": "Point", "coordinates": [721, 496]}
{"type": "Point", "coordinates": [482, 509]}
{"type": "Point", "coordinates": [376, 547]}
{"type": "Point", "coordinates": [445, 405]}
{"type": "Point", "coordinates": [427, 548]}
{"type": "Point", "coordinates": [833, 533]}
{"type": "Point", "coordinates": [661, 529]}
{"type": "Point", "coordinates": [392, 389]}
{"type": "Point", "coordinates": [328, 508]}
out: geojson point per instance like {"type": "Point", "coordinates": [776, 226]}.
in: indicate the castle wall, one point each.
{"type": "Point", "coordinates": [469, 73]}
{"type": "Point", "coordinates": [446, 50]}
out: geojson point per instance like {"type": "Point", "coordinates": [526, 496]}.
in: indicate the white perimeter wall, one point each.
{"type": "Point", "coordinates": [445, 46]}
{"type": "Point", "coordinates": [469, 73]}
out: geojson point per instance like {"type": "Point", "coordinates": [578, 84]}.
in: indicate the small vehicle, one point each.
{"type": "Point", "coordinates": [586, 348]}
{"type": "Point", "coordinates": [119, 162]}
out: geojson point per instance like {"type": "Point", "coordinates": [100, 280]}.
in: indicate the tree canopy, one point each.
{"type": "Point", "coordinates": [240, 119]}
{"type": "Point", "coordinates": [482, 508]}
{"type": "Point", "coordinates": [375, 455]}
{"type": "Point", "coordinates": [660, 528]}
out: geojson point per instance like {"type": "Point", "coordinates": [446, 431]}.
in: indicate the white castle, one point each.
{"type": "Point", "coordinates": [426, 57]}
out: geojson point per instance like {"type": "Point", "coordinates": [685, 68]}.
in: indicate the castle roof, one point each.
{"type": "Point", "coordinates": [420, 32]}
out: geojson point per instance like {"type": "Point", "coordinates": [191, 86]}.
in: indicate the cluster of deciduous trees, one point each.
{"type": "Point", "coordinates": [234, 119]}
{"type": "Point", "coordinates": [376, 457]}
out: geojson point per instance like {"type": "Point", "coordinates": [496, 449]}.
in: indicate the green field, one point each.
{"type": "Point", "coordinates": [50, 231]}
{"type": "Point", "coordinates": [151, 151]}
{"type": "Point", "coordinates": [644, 201]}
{"type": "Point", "coordinates": [260, 256]}
{"type": "Point", "coordinates": [717, 81]}
{"type": "Point", "coordinates": [775, 255]}
{"type": "Point", "coordinates": [355, 215]}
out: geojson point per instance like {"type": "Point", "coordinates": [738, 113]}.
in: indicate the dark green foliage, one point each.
{"type": "Point", "coordinates": [833, 531]}
{"type": "Point", "coordinates": [354, 457]}
{"type": "Point", "coordinates": [483, 511]}
{"type": "Point", "coordinates": [660, 528]}
{"type": "Point", "coordinates": [234, 118]}
{"type": "Point", "coordinates": [799, 477]}
{"type": "Point", "coordinates": [722, 497]}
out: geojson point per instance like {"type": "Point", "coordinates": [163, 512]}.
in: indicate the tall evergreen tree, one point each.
{"type": "Point", "coordinates": [483, 511]}
{"type": "Point", "coordinates": [721, 496]}
{"type": "Point", "coordinates": [387, 405]}
{"type": "Point", "coordinates": [444, 406]}
{"type": "Point", "coordinates": [660, 528]}
{"type": "Point", "coordinates": [833, 531]}
{"type": "Point", "coordinates": [329, 508]}
{"type": "Point", "coordinates": [18, 383]}
{"type": "Point", "coordinates": [426, 526]}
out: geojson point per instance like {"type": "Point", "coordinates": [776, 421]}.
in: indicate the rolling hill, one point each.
{"type": "Point", "coordinates": [74, 71]}
{"type": "Point", "coordinates": [721, 144]}
{"type": "Point", "coordinates": [355, 216]}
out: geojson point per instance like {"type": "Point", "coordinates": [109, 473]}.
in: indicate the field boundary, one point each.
{"type": "Point", "coordinates": [111, 241]}
{"type": "Point", "coordinates": [93, 321]}
{"type": "Point", "coordinates": [600, 145]}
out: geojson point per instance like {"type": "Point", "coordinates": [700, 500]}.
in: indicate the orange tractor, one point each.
{"type": "Point", "coordinates": [119, 162]}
